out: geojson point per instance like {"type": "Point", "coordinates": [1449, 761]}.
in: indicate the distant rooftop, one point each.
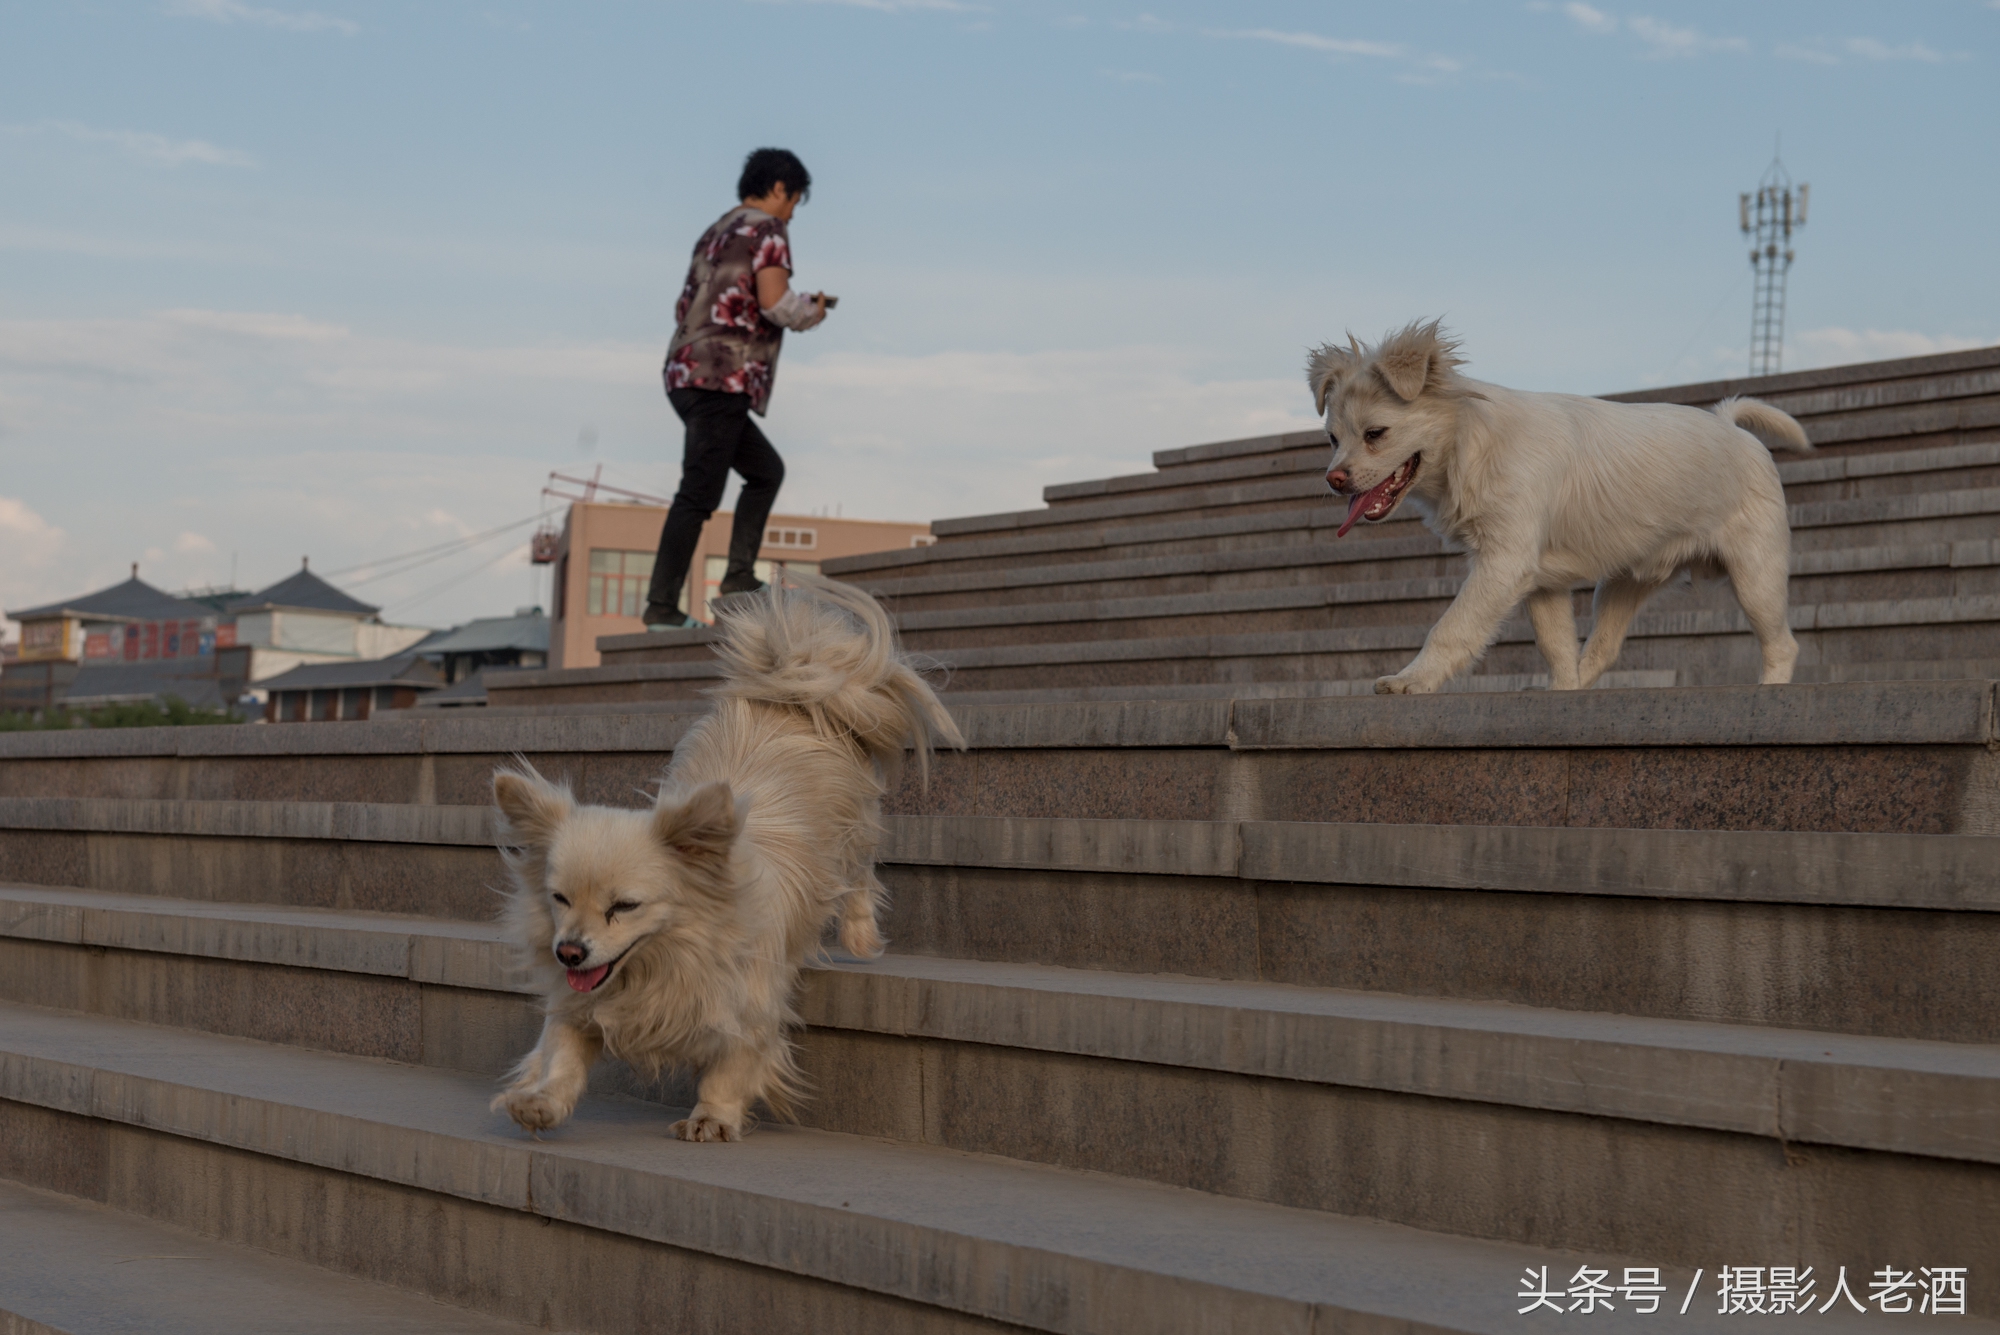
{"type": "Point", "coordinates": [133, 600]}
{"type": "Point", "coordinates": [405, 669]}
{"type": "Point", "coordinates": [526, 630]}
{"type": "Point", "coordinates": [304, 592]}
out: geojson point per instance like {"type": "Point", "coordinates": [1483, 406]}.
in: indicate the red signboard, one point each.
{"type": "Point", "coordinates": [98, 646]}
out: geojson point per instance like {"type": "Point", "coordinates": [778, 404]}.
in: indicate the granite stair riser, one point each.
{"type": "Point", "coordinates": [1357, 1148]}
{"type": "Point", "coordinates": [1815, 740]}
{"type": "Point", "coordinates": [1895, 974]}
{"type": "Point", "coordinates": [1911, 478]}
{"type": "Point", "coordinates": [1817, 577]}
{"type": "Point", "coordinates": [455, 1000]}
{"type": "Point", "coordinates": [1272, 583]}
{"type": "Point", "coordinates": [1844, 388]}
{"type": "Point", "coordinates": [1933, 789]}
{"type": "Point", "coordinates": [1188, 483]}
{"type": "Point", "coordinates": [398, 1172]}
{"type": "Point", "coordinates": [1717, 654]}
{"type": "Point", "coordinates": [517, 1264]}
{"type": "Point", "coordinates": [1934, 430]}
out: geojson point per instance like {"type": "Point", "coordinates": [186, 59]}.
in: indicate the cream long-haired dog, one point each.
{"type": "Point", "coordinates": [1549, 490]}
{"type": "Point", "coordinates": [674, 937]}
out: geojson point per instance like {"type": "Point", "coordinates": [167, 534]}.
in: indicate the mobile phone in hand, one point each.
{"type": "Point", "coordinates": [831, 302]}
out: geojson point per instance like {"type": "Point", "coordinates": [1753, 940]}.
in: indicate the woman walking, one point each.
{"type": "Point", "coordinates": [731, 320]}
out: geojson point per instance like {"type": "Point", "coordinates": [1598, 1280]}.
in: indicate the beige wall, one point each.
{"type": "Point", "coordinates": [595, 526]}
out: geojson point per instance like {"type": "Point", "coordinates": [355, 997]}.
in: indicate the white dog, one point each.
{"type": "Point", "coordinates": [1549, 490]}
{"type": "Point", "coordinates": [674, 936]}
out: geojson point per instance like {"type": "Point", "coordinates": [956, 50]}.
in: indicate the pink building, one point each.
{"type": "Point", "coordinates": [604, 564]}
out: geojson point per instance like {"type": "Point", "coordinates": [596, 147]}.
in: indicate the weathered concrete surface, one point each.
{"type": "Point", "coordinates": [1007, 1241]}
{"type": "Point", "coordinates": [1914, 973]}
{"type": "Point", "coordinates": [75, 1267]}
{"type": "Point", "coordinates": [1911, 1097]}
{"type": "Point", "coordinates": [1879, 870]}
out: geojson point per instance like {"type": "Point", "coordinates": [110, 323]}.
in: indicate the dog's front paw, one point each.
{"type": "Point", "coordinates": [1402, 684]}
{"type": "Point", "coordinates": [533, 1108]}
{"type": "Point", "coordinates": [702, 1126]}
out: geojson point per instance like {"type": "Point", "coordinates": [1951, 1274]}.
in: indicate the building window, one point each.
{"type": "Point", "coordinates": [922, 540]}
{"type": "Point", "coordinates": [800, 539]}
{"type": "Point", "coordinates": [618, 582]}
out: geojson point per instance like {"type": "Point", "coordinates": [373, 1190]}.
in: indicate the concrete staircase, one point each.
{"type": "Point", "coordinates": [1217, 575]}
{"type": "Point", "coordinates": [1241, 1015]}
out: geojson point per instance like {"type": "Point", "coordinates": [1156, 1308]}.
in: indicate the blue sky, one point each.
{"type": "Point", "coordinates": [348, 279]}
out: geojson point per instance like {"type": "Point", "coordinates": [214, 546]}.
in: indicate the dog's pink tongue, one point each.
{"type": "Point", "coordinates": [582, 980]}
{"type": "Point", "coordinates": [1360, 503]}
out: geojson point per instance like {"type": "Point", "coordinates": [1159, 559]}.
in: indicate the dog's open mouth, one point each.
{"type": "Point", "coordinates": [589, 980]}
{"type": "Point", "coordinates": [1375, 503]}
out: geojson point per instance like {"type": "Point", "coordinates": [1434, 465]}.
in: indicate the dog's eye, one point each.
{"type": "Point", "coordinates": [561, 899]}
{"type": "Point", "coordinates": [1374, 433]}
{"type": "Point", "coordinates": [622, 906]}
{"type": "Point", "coordinates": [1333, 440]}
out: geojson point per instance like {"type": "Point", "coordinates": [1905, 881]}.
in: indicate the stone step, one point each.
{"type": "Point", "coordinates": [1867, 489]}
{"type": "Point", "coordinates": [606, 1219]}
{"type": "Point", "coordinates": [1702, 645]}
{"type": "Point", "coordinates": [1883, 933]}
{"type": "Point", "coordinates": [1678, 1073]}
{"type": "Point", "coordinates": [1249, 484]}
{"type": "Point", "coordinates": [1820, 477]}
{"type": "Point", "coordinates": [1870, 575]}
{"type": "Point", "coordinates": [1818, 575]}
{"type": "Point", "coordinates": [1892, 757]}
{"type": "Point", "coordinates": [969, 1056]}
{"type": "Point", "coordinates": [74, 1267]}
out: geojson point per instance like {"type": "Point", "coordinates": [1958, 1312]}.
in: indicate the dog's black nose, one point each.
{"type": "Point", "coordinates": [571, 954]}
{"type": "Point", "coordinates": [1339, 479]}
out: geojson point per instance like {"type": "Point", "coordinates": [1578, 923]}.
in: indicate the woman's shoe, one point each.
{"type": "Point", "coordinates": [674, 620]}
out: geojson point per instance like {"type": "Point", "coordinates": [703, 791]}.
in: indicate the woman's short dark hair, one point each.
{"type": "Point", "coordinates": [767, 167]}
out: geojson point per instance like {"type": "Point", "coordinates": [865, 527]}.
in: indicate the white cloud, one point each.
{"type": "Point", "coordinates": [895, 6]}
{"type": "Point", "coordinates": [1312, 41]}
{"type": "Point", "coordinates": [1813, 54]}
{"type": "Point", "coordinates": [1870, 48]}
{"type": "Point", "coordinates": [269, 434]}
{"type": "Point", "coordinates": [235, 11]}
{"type": "Point", "coordinates": [1596, 20]}
{"type": "Point", "coordinates": [1666, 40]}
{"type": "Point", "coordinates": [1834, 345]}
{"type": "Point", "coordinates": [153, 147]}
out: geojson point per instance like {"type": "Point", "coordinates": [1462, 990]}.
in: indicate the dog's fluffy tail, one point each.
{"type": "Point", "coordinates": [1778, 430]}
{"type": "Point", "coordinates": [829, 650]}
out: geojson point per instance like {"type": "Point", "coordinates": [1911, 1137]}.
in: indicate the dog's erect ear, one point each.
{"type": "Point", "coordinates": [1415, 358]}
{"type": "Point", "coordinates": [1325, 365]}
{"type": "Point", "coordinates": [1404, 365]}
{"type": "Point", "coordinates": [534, 807]}
{"type": "Point", "coordinates": [702, 828]}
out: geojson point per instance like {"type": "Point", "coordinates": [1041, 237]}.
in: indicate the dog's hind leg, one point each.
{"type": "Point", "coordinates": [1554, 618]}
{"type": "Point", "coordinates": [860, 923]}
{"type": "Point", "coordinates": [1612, 607]}
{"type": "Point", "coordinates": [1762, 580]}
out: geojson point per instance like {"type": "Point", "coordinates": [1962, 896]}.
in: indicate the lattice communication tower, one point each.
{"type": "Point", "coordinates": [1769, 218]}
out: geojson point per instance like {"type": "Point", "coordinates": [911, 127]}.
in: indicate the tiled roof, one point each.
{"type": "Point", "coordinates": [306, 592]}
{"type": "Point", "coordinates": [134, 600]}
{"type": "Point", "coordinates": [405, 669]}
{"type": "Point", "coordinates": [486, 634]}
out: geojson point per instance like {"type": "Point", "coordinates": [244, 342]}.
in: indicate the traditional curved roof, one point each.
{"type": "Point", "coordinates": [133, 600]}
{"type": "Point", "coordinates": [304, 592]}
